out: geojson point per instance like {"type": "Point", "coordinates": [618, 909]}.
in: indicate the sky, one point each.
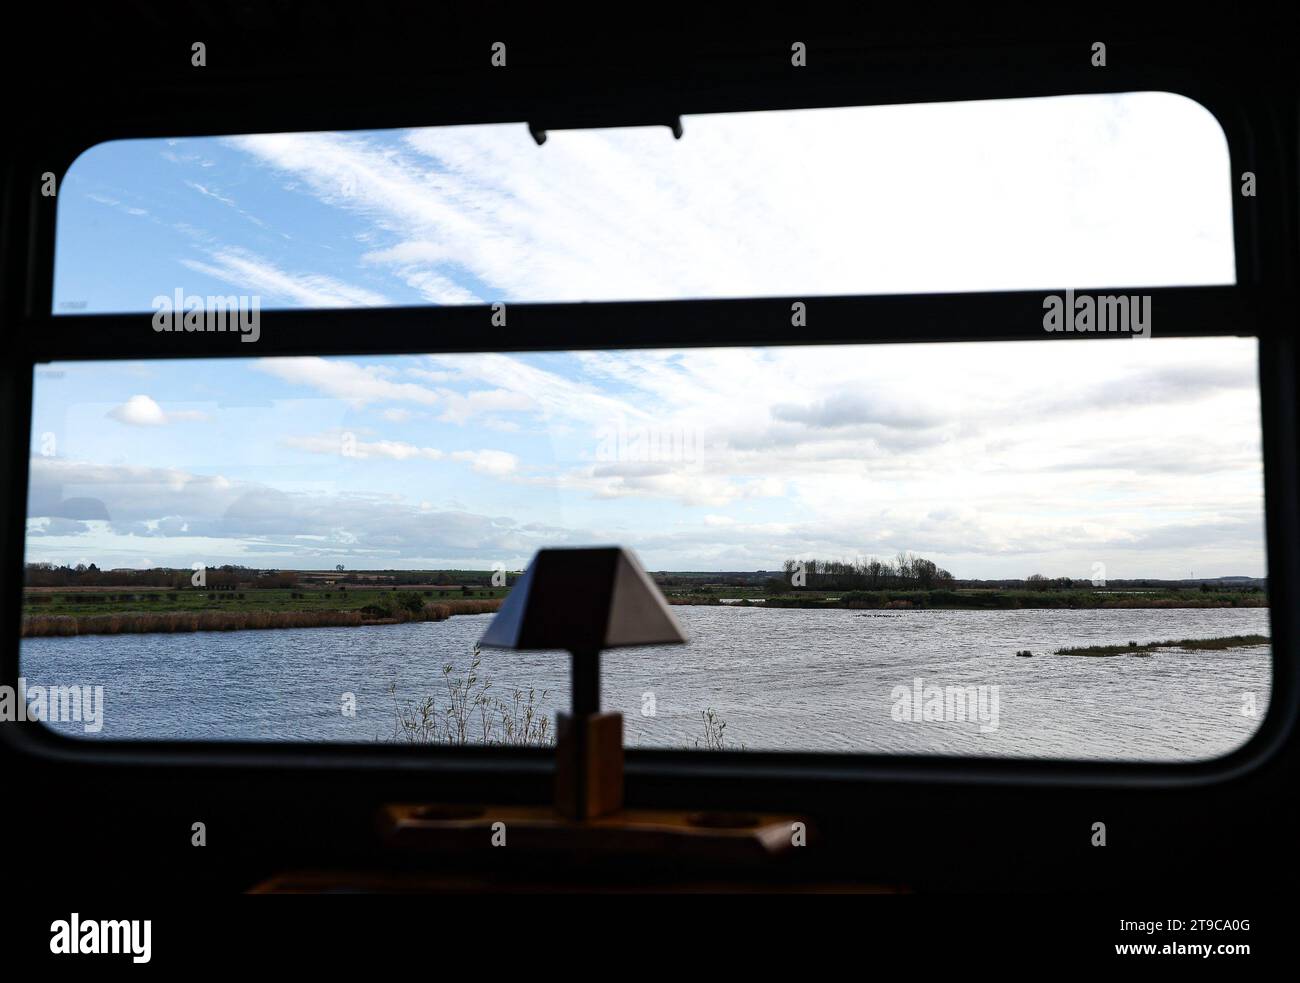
{"type": "Point", "coordinates": [994, 460]}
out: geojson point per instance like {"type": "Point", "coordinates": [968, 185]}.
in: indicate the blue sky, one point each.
{"type": "Point", "coordinates": [700, 460]}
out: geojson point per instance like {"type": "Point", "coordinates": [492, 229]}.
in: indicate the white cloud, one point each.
{"type": "Point", "coordinates": [342, 379]}
{"type": "Point", "coordinates": [460, 407]}
{"type": "Point", "coordinates": [346, 445]}
{"type": "Point", "coordinates": [517, 385]}
{"type": "Point", "coordinates": [114, 510]}
{"type": "Point", "coordinates": [498, 463]}
{"type": "Point", "coordinates": [142, 411]}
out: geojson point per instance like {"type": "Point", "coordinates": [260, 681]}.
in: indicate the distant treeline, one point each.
{"type": "Point", "coordinates": [909, 572]}
{"type": "Point", "coordinates": [904, 571]}
{"type": "Point", "coordinates": [227, 576]}
{"type": "Point", "coordinates": [717, 578]}
{"type": "Point", "coordinates": [1040, 582]}
{"type": "Point", "coordinates": [948, 599]}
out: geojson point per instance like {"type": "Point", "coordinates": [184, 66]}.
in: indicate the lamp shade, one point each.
{"type": "Point", "coordinates": [583, 600]}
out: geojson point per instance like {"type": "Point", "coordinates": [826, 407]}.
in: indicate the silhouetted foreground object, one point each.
{"type": "Point", "coordinates": [585, 600]}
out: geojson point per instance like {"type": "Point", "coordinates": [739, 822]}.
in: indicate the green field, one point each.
{"type": "Point", "coordinates": [146, 599]}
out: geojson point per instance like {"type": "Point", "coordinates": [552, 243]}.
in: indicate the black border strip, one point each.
{"type": "Point", "coordinates": [886, 318]}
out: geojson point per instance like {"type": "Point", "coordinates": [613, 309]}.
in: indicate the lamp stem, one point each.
{"type": "Point", "coordinates": [585, 702]}
{"type": "Point", "coordinates": [586, 683]}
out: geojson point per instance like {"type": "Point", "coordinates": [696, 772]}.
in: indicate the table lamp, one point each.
{"type": "Point", "coordinates": [585, 600]}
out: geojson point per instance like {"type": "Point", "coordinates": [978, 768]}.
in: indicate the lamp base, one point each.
{"type": "Point", "coordinates": [677, 833]}
{"type": "Point", "coordinates": [588, 765]}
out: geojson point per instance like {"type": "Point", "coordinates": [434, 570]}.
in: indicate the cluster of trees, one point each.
{"type": "Point", "coordinates": [1036, 581]}
{"type": "Point", "coordinates": [409, 601]}
{"type": "Point", "coordinates": [83, 575]}
{"type": "Point", "coordinates": [904, 571]}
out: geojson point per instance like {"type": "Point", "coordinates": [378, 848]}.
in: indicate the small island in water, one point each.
{"type": "Point", "coordinates": [1149, 648]}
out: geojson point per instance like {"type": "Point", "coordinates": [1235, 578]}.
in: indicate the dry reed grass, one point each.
{"type": "Point", "coordinates": [140, 622]}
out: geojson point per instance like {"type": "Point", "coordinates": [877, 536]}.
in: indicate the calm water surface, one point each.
{"type": "Point", "coordinates": [782, 679]}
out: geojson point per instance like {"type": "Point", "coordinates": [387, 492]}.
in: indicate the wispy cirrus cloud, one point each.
{"type": "Point", "coordinates": [253, 274]}
{"type": "Point", "coordinates": [497, 463]}
{"type": "Point", "coordinates": [466, 214]}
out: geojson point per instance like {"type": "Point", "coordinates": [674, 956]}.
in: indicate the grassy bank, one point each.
{"type": "Point", "coordinates": [141, 622]}
{"type": "Point", "coordinates": [1147, 648]}
{"type": "Point", "coordinates": [994, 600]}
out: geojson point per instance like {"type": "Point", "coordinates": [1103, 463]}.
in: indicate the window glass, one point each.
{"type": "Point", "coordinates": [1077, 191]}
{"type": "Point", "coordinates": [884, 548]}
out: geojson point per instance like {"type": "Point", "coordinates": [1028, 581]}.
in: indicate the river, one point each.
{"type": "Point", "coordinates": [784, 679]}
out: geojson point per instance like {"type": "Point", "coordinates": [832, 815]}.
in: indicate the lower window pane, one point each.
{"type": "Point", "coordinates": [1035, 549]}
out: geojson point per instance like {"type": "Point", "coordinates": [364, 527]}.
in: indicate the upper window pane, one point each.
{"type": "Point", "coordinates": [1081, 191]}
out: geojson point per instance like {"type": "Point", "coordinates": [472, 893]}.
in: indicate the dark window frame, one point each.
{"type": "Point", "coordinates": [1257, 141]}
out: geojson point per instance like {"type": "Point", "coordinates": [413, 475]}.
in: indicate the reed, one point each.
{"type": "Point", "coordinates": [715, 732]}
{"type": "Point", "coordinates": [133, 622]}
{"type": "Point", "coordinates": [468, 712]}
